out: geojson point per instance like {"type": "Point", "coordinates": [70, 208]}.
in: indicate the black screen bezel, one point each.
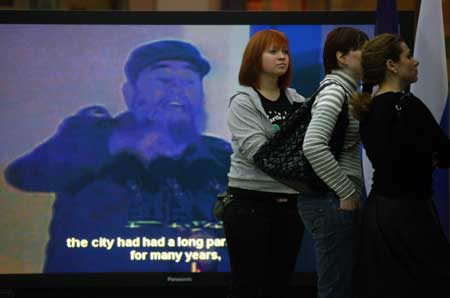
{"type": "Point", "coordinates": [142, 279]}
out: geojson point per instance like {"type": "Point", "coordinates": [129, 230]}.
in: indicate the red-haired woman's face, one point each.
{"type": "Point", "coordinates": [275, 61]}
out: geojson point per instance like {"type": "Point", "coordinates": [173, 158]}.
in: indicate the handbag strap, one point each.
{"type": "Point", "coordinates": [339, 131]}
{"type": "Point", "coordinates": [326, 84]}
{"type": "Point", "coordinates": [312, 97]}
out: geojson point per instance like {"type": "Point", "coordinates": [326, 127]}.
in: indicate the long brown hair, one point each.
{"type": "Point", "coordinates": [251, 65]}
{"type": "Point", "coordinates": [375, 54]}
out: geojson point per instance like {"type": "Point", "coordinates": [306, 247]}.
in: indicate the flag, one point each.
{"type": "Point", "coordinates": [386, 17]}
{"type": "Point", "coordinates": [386, 22]}
{"type": "Point", "coordinates": [432, 87]}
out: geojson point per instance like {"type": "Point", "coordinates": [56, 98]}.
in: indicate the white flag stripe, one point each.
{"type": "Point", "coordinates": [367, 170]}
{"type": "Point", "coordinates": [429, 49]}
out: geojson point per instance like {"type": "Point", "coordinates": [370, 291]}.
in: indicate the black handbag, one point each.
{"type": "Point", "coordinates": [282, 156]}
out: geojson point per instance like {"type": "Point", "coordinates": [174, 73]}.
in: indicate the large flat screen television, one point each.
{"type": "Point", "coordinates": [77, 205]}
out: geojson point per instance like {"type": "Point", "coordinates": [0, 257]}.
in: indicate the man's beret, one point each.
{"type": "Point", "coordinates": [150, 53]}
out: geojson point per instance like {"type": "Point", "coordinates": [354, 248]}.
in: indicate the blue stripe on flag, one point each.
{"type": "Point", "coordinates": [440, 182]}
{"type": "Point", "coordinates": [387, 17]}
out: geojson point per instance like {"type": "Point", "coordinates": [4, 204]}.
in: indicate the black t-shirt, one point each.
{"type": "Point", "coordinates": [277, 110]}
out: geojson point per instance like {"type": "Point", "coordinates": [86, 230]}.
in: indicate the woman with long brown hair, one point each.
{"type": "Point", "coordinates": [403, 250]}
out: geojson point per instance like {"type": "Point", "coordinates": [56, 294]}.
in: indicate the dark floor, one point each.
{"type": "Point", "coordinates": [175, 292]}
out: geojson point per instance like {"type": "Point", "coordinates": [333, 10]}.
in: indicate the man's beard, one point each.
{"type": "Point", "coordinates": [181, 126]}
{"type": "Point", "coordinates": [186, 128]}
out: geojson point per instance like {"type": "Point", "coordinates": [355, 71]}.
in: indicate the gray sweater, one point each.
{"type": "Point", "coordinates": [250, 128]}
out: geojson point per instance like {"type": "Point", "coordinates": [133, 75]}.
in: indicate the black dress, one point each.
{"type": "Point", "coordinates": [402, 251]}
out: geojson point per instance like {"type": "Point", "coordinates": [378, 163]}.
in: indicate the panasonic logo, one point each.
{"type": "Point", "coordinates": [179, 279]}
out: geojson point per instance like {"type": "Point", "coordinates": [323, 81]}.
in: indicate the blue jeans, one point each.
{"type": "Point", "coordinates": [332, 230]}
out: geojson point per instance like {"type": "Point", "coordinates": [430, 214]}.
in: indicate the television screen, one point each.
{"type": "Point", "coordinates": [108, 170]}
